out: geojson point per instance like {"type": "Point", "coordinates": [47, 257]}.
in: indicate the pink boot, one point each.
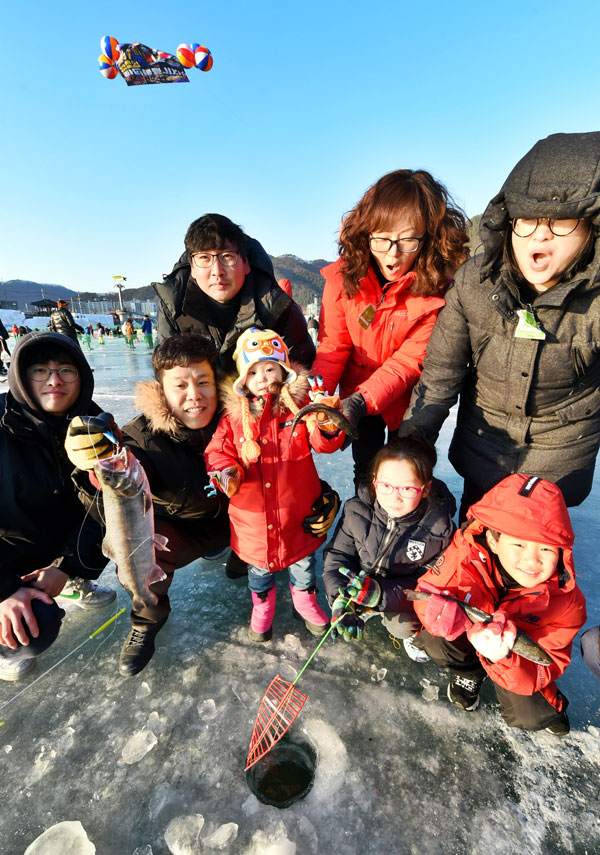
{"type": "Point", "coordinates": [306, 607]}
{"type": "Point", "coordinates": [263, 610]}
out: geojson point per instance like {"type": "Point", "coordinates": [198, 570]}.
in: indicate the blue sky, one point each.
{"type": "Point", "coordinates": [308, 103]}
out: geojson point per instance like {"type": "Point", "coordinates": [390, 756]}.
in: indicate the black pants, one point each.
{"type": "Point", "coordinates": [186, 544]}
{"type": "Point", "coordinates": [371, 437]}
{"type": "Point", "coordinates": [49, 618]}
{"type": "Point", "coordinates": [529, 712]}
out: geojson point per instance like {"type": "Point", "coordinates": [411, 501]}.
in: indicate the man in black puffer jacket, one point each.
{"type": "Point", "coordinates": [62, 321]}
{"type": "Point", "coordinates": [46, 538]}
{"type": "Point", "coordinates": [224, 284]}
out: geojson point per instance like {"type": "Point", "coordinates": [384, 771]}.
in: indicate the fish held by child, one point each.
{"type": "Point", "coordinates": [524, 645]}
{"type": "Point", "coordinates": [130, 539]}
{"type": "Point", "coordinates": [331, 414]}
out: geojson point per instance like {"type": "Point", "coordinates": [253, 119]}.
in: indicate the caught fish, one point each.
{"type": "Point", "coordinates": [332, 415]}
{"type": "Point", "coordinates": [129, 519]}
{"type": "Point", "coordinates": [524, 645]}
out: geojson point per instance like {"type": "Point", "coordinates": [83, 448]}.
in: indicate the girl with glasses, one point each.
{"type": "Point", "coordinates": [396, 525]}
{"type": "Point", "coordinates": [399, 248]}
{"type": "Point", "coordinates": [517, 342]}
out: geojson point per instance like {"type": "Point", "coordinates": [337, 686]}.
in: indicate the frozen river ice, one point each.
{"type": "Point", "coordinates": [154, 764]}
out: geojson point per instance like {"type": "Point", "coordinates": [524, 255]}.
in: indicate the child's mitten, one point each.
{"type": "Point", "coordinates": [363, 590]}
{"type": "Point", "coordinates": [495, 639]}
{"type": "Point", "coordinates": [443, 617]}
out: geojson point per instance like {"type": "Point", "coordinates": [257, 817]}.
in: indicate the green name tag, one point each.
{"type": "Point", "coordinates": [528, 327]}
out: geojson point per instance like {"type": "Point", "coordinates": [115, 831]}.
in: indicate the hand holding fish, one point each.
{"type": "Point", "coordinates": [493, 640]}
{"type": "Point", "coordinates": [227, 480]}
{"type": "Point", "coordinates": [92, 438]}
{"type": "Point", "coordinates": [444, 618]}
{"type": "Point", "coordinates": [318, 394]}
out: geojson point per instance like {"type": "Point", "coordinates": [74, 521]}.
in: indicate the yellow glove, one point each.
{"type": "Point", "coordinates": [92, 438]}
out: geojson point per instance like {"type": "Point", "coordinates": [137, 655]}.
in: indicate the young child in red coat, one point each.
{"type": "Point", "coordinates": [267, 470]}
{"type": "Point", "coordinates": [514, 560]}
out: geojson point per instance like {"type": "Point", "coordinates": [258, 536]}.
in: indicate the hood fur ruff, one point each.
{"type": "Point", "coordinates": [150, 400]}
{"type": "Point", "coordinates": [232, 402]}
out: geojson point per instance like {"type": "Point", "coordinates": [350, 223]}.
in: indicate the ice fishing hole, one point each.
{"type": "Point", "coordinates": [285, 774]}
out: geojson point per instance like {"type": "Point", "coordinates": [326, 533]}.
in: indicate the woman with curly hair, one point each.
{"type": "Point", "coordinates": [399, 248]}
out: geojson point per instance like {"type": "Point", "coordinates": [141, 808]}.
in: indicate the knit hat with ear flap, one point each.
{"type": "Point", "coordinates": [256, 345]}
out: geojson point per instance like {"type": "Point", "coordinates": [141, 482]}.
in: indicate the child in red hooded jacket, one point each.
{"type": "Point", "coordinates": [513, 559]}
{"type": "Point", "coordinates": [268, 472]}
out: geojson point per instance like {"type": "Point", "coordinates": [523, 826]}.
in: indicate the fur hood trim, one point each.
{"type": "Point", "coordinates": [232, 402]}
{"type": "Point", "coordinates": [150, 400]}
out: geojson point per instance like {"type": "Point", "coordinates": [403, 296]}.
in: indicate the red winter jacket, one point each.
{"type": "Point", "coordinates": [383, 361]}
{"type": "Point", "coordinates": [551, 613]}
{"type": "Point", "coordinates": [278, 491]}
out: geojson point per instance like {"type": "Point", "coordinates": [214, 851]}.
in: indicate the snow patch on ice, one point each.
{"type": "Point", "coordinates": [66, 838]}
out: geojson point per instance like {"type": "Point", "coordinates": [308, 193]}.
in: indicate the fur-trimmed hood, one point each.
{"type": "Point", "coordinates": [232, 402]}
{"type": "Point", "coordinates": [149, 398]}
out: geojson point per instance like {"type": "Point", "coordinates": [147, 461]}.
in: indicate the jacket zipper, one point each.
{"type": "Point", "coordinates": [390, 530]}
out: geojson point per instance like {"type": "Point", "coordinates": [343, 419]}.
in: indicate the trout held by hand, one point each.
{"type": "Point", "coordinates": [524, 646]}
{"type": "Point", "coordinates": [129, 520]}
{"type": "Point", "coordinates": [332, 415]}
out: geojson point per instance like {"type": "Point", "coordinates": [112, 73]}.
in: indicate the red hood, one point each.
{"type": "Point", "coordinates": [528, 507]}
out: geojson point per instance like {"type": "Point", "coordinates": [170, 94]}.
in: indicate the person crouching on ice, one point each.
{"type": "Point", "coordinates": [514, 560]}
{"type": "Point", "coordinates": [269, 474]}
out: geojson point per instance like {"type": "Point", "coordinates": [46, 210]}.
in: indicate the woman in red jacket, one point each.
{"type": "Point", "coordinates": [399, 248]}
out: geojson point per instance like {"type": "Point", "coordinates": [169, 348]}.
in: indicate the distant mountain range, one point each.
{"type": "Point", "coordinates": [305, 276]}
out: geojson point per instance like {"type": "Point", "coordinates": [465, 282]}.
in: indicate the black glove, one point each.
{"type": "Point", "coordinates": [87, 440]}
{"type": "Point", "coordinates": [325, 511]}
{"type": "Point", "coordinates": [354, 408]}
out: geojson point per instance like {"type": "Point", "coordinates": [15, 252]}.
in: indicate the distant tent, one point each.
{"type": "Point", "coordinates": [45, 306]}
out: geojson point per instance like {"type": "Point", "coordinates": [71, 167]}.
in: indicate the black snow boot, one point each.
{"type": "Point", "coordinates": [235, 567]}
{"type": "Point", "coordinates": [137, 650]}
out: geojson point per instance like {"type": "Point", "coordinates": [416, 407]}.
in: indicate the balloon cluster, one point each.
{"type": "Point", "coordinates": [110, 54]}
{"type": "Point", "coordinates": [190, 55]}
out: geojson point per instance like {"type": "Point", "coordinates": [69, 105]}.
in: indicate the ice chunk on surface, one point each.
{"type": "Point", "coordinates": [64, 838]}
{"type": "Point", "coordinates": [138, 746]}
{"type": "Point", "coordinates": [182, 835]}
{"type": "Point", "coordinates": [146, 849]}
{"type": "Point", "coordinates": [272, 842]}
{"type": "Point", "coordinates": [143, 691]}
{"type": "Point", "coordinates": [207, 709]}
{"type": "Point", "coordinates": [223, 835]}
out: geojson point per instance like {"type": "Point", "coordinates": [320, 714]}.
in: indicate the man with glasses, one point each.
{"type": "Point", "coordinates": [46, 538]}
{"type": "Point", "coordinates": [224, 284]}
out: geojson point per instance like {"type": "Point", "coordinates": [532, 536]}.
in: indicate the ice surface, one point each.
{"type": "Point", "coordinates": [138, 746]}
{"type": "Point", "coordinates": [143, 850]}
{"type": "Point", "coordinates": [395, 773]}
{"type": "Point", "coordinates": [64, 838]}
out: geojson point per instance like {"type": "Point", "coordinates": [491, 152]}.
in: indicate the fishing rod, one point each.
{"type": "Point", "coordinates": [60, 661]}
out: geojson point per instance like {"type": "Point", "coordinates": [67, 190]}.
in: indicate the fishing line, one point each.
{"type": "Point", "coordinates": [60, 661]}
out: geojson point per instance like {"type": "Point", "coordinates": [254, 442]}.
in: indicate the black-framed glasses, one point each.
{"type": "Point", "coordinates": [525, 226]}
{"type": "Point", "coordinates": [228, 258]}
{"type": "Point", "coordinates": [41, 373]}
{"type": "Point", "coordinates": [381, 244]}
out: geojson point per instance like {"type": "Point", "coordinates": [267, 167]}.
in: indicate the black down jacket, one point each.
{"type": "Point", "coordinates": [62, 321]}
{"type": "Point", "coordinates": [393, 551]}
{"type": "Point", "coordinates": [41, 518]}
{"type": "Point", "coordinates": [526, 405]}
{"type": "Point", "coordinates": [263, 304]}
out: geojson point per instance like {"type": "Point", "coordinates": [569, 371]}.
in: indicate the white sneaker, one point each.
{"type": "Point", "coordinates": [86, 594]}
{"type": "Point", "coordinates": [414, 653]}
{"type": "Point", "coordinates": [11, 670]}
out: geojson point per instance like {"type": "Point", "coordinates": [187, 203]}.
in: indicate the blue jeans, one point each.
{"type": "Point", "coordinates": [302, 576]}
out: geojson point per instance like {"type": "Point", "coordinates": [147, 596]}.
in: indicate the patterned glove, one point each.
{"type": "Point", "coordinates": [443, 617]}
{"type": "Point", "coordinates": [227, 480]}
{"type": "Point", "coordinates": [325, 511]}
{"type": "Point", "coordinates": [363, 590]}
{"type": "Point", "coordinates": [317, 391]}
{"type": "Point", "coordinates": [493, 640]}
{"type": "Point", "coordinates": [92, 438]}
{"type": "Point", "coordinates": [345, 623]}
